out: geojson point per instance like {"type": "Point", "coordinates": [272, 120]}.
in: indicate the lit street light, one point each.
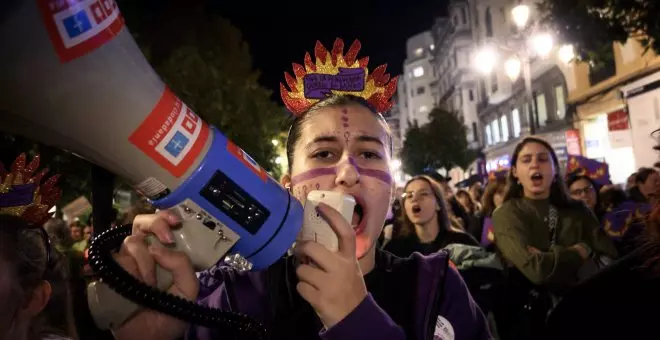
{"type": "Point", "coordinates": [485, 60]}
{"type": "Point", "coordinates": [527, 44]}
{"type": "Point", "coordinates": [512, 67]}
{"type": "Point", "coordinates": [566, 54]}
{"type": "Point", "coordinates": [520, 15]}
{"type": "Point", "coordinates": [542, 44]}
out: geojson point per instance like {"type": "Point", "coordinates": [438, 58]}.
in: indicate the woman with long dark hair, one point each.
{"type": "Point", "coordinates": [34, 284]}
{"type": "Point", "coordinates": [620, 302]}
{"type": "Point", "coordinates": [542, 233]}
{"type": "Point", "coordinates": [426, 226]}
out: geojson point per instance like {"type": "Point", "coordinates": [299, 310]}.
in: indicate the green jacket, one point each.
{"type": "Point", "coordinates": [519, 223]}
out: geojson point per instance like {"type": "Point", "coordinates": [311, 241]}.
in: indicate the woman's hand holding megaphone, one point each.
{"type": "Point", "coordinates": [140, 260]}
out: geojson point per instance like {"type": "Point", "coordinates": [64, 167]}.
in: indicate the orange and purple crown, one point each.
{"type": "Point", "coordinates": [333, 72]}
{"type": "Point", "coordinates": [22, 192]}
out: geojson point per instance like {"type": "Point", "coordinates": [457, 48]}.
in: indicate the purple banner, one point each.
{"type": "Point", "coordinates": [18, 195]}
{"type": "Point", "coordinates": [318, 86]}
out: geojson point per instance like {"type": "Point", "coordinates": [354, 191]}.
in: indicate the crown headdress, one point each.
{"type": "Point", "coordinates": [23, 194]}
{"type": "Point", "coordinates": [333, 72]}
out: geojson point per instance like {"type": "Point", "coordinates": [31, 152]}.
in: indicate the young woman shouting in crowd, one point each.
{"type": "Point", "coordinates": [544, 235]}
{"type": "Point", "coordinates": [340, 144]}
{"type": "Point", "coordinates": [426, 227]}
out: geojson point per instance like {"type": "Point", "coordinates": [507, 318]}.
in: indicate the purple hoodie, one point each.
{"type": "Point", "coordinates": [457, 315]}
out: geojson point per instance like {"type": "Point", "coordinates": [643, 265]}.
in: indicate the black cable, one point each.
{"type": "Point", "coordinates": [101, 261]}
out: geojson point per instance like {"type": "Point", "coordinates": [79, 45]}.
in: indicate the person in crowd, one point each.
{"type": "Point", "coordinates": [426, 226]}
{"type": "Point", "coordinates": [34, 287]}
{"type": "Point", "coordinates": [76, 231]}
{"type": "Point", "coordinates": [544, 235]}
{"type": "Point", "coordinates": [493, 197]}
{"type": "Point", "coordinates": [456, 213]}
{"type": "Point", "coordinates": [357, 292]}
{"type": "Point", "coordinates": [476, 191]}
{"type": "Point", "coordinates": [583, 188]}
{"type": "Point", "coordinates": [625, 293]}
{"type": "Point", "coordinates": [647, 184]}
{"type": "Point", "coordinates": [474, 223]}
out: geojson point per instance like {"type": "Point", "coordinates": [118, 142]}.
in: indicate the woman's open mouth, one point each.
{"type": "Point", "coordinates": [359, 220]}
{"type": "Point", "coordinates": [537, 179]}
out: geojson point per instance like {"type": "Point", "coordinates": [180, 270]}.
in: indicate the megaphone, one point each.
{"type": "Point", "coordinates": [73, 77]}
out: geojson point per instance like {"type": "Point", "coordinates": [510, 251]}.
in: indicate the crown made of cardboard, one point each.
{"type": "Point", "coordinates": [333, 72]}
{"type": "Point", "coordinates": [22, 192]}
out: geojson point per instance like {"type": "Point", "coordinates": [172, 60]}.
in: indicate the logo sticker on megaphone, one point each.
{"type": "Point", "coordinates": [78, 27]}
{"type": "Point", "coordinates": [172, 134]}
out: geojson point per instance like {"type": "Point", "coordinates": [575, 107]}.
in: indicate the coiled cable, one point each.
{"type": "Point", "coordinates": [111, 273]}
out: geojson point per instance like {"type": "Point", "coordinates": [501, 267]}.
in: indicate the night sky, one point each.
{"type": "Point", "coordinates": [280, 34]}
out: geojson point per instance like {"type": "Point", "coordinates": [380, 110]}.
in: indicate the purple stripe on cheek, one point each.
{"type": "Point", "coordinates": [378, 174]}
{"type": "Point", "coordinates": [307, 175]}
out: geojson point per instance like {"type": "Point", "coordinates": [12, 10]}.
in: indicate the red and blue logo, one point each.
{"type": "Point", "coordinates": [77, 27]}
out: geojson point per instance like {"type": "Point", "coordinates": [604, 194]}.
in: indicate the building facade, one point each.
{"type": "Point", "coordinates": [456, 87]}
{"type": "Point", "coordinates": [618, 106]}
{"type": "Point", "coordinates": [414, 94]}
{"type": "Point", "coordinates": [505, 110]}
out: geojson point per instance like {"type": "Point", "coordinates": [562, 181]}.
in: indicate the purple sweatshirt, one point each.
{"type": "Point", "coordinates": [458, 316]}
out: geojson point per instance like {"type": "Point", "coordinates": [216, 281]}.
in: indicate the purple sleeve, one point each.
{"type": "Point", "coordinates": [366, 321]}
{"type": "Point", "coordinates": [465, 318]}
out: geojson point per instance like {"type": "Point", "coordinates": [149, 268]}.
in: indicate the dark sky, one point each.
{"type": "Point", "coordinates": [280, 32]}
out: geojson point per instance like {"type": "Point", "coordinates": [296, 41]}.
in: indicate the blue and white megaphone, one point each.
{"type": "Point", "coordinates": [73, 77]}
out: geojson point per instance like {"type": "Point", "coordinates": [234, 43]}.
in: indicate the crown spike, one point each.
{"type": "Point", "coordinates": [295, 105]}
{"type": "Point", "coordinates": [351, 55]}
{"type": "Point", "coordinates": [390, 89]}
{"type": "Point", "coordinates": [320, 52]}
{"type": "Point", "coordinates": [32, 166]}
{"type": "Point", "coordinates": [377, 75]}
{"type": "Point", "coordinates": [299, 70]}
{"type": "Point", "coordinates": [291, 81]}
{"type": "Point", "coordinates": [19, 163]}
{"type": "Point", "coordinates": [309, 65]}
{"type": "Point", "coordinates": [364, 62]}
{"type": "Point", "coordinates": [337, 50]}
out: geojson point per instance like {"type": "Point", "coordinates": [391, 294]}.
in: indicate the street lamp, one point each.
{"type": "Point", "coordinates": [520, 15]}
{"type": "Point", "coordinates": [512, 67]}
{"type": "Point", "coordinates": [485, 59]}
{"type": "Point", "coordinates": [529, 42]}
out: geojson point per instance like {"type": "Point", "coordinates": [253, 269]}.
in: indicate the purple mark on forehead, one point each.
{"type": "Point", "coordinates": [307, 175]}
{"type": "Point", "coordinates": [344, 110]}
{"type": "Point", "coordinates": [344, 118]}
{"type": "Point", "coordinates": [346, 125]}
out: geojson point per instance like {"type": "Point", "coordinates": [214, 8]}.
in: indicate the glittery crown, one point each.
{"type": "Point", "coordinates": [333, 72]}
{"type": "Point", "coordinates": [23, 194]}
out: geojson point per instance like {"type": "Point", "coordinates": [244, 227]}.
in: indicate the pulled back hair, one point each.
{"type": "Point", "coordinates": [643, 174]}
{"type": "Point", "coordinates": [558, 193]}
{"type": "Point", "coordinates": [24, 252]}
{"type": "Point", "coordinates": [295, 131]}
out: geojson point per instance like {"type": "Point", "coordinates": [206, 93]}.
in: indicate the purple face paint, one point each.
{"type": "Point", "coordinates": [377, 174]}
{"type": "Point", "coordinates": [307, 175]}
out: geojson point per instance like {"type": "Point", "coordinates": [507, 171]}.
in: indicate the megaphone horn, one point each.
{"type": "Point", "coordinates": [73, 77]}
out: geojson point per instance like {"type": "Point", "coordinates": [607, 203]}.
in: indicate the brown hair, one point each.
{"type": "Point", "coordinates": [408, 227]}
{"type": "Point", "coordinates": [295, 131]}
{"type": "Point", "coordinates": [24, 249]}
{"type": "Point", "coordinates": [473, 205]}
{"type": "Point", "coordinates": [487, 200]}
{"type": "Point", "coordinates": [558, 193]}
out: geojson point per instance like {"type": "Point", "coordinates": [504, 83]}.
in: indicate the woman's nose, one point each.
{"type": "Point", "coordinates": [348, 173]}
